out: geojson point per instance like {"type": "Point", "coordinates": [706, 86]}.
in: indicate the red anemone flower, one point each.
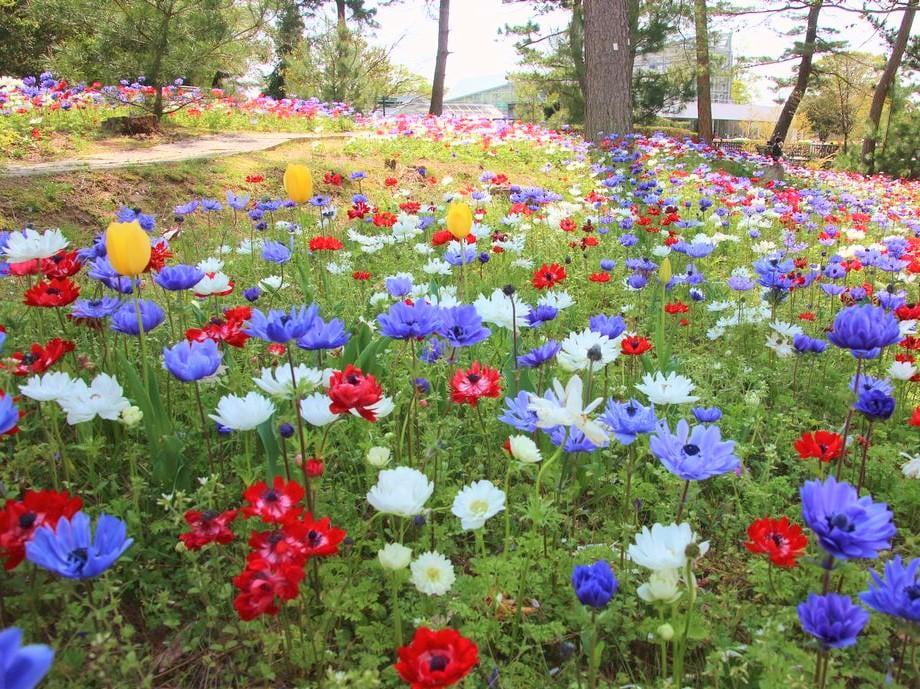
{"type": "Point", "coordinates": [780, 540]}
{"type": "Point", "coordinates": [634, 345]}
{"type": "Point", "coordinates": [319, 538]}
{"type": "Point", "coordinates": [325, 244]}
{"type": "Point", "coordinates": [547, 276]}
{"type": "Point", "coordinates": [436, 659]}
{"type": "Point", "coordinates": [914, 419]}
{"type": "Point", "coordinates": [354, 390]}
{"type": "Point", "coordinates": [207, 527]}
{"type": "Point", "coordinates": [261, 585]}
{"type": "Point", "coordinates": [468, 386]}
{"type": "Point", "coordinates": [20, 518]}
{"type": "Point", "coordinates": [273, 504]}
{"type": "Point", "coordinates": [63, 264]}
{"type": "Point", "coordinates": [361, 275]}
{"type": "Point", "coordinates": [821, 445]}
{"type": "Point", "coordinates": [599, 277]}
{"type": "Point", "coordinates": [52, 293]}
{"type": "Point", "coordinates": [278, 548]}
{"type": "Point", "coordinates": [159, 255]}
{"type": "Point", "coordinates": [39, 358]}
{"type": "Point", "coordinates": [676, 307]}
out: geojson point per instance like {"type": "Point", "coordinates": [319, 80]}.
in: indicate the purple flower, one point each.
{"type": "Point", "coordinates": [462, 326]}
{"type": "Point", "coordinates": [707, 414]}
{"type": "Point", "coordinates": [252, 293]}
{"type": "Point", "coordinates": [178, 277]}
{"type": "Point", "coordinates": [897, 591]}
{"type": "Point", "coordinates": [276, 252]}
{"type": "Point", "coordinates": [405, 321]}
{"type": "Point", "coordinates": [398, 286]}
{"type": "Point", "coordinates": [95, 309]}
{"type": "Point", "coordinates": [518, 414]}
{"type": "Point", "coordinates": [834, 620]}
{"type": "Point", "coordinates": [323, 335]}
{"type": "Point", "coordinates": [9, 414]}
{"type": "Point", "coordinates": [124, 320]}
{"type": "Point", "coordinates": [875, 405]}
{"type": "Point", "coordinates": [609, 326]}
{"type": "Point", "coordinates": [539, 355]}
{"type": "Point", "coordinates": [694, 454]}
{"type": "Point", "coordinates": [237, 201]}
{"type": "Point", "coordinates": [192, 361]}
{"type": "Point", "coordinates": [281, 326]}
{"type": "Point", "coordinates": [864, 330]}
{"type": "Point", "coordinates": [594, 584]}
{"type": "Point", "coordinates": [846, 525]}
{"type": "Point", "coordinates": [629, 419]}
{"type": "Point", "coordinates": [22, 667]}
{"type": "Point", "coordinates": [804, 344]}
{"type": "Point", "coordinates": [541, 313]}
{"type": "Point", "coordinates": [73, 551]}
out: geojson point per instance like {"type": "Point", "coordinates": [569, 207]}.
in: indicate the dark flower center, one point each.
{"type": "Point", "coordinates": [27, 520]}
{"type": "Point", "coordinates": [78, 557]}
{"type": "Point", "coordinates": [912, 592]}
{"type": "Point", "coordinates": [314, 538]}
{"type": "Point", "coordinates": [29, 358]}
{"type": "Point", "coordinates": [271, 496]}
{"type": "Point", "coordinates": [473, 378]}
{"type": "Point", "coordinates": [840, 522]}
{"type": "Point", "coordinates": [53, 291]}
{"type": "Point", "coordinates": [438, 663]}
{"type": "Point", "coordinates": [353, 379]}
{"type": "Point", "coordinates": [631, 410]}
{"type": "Point", "coordinates": [691, 450]}
{"type": "Point", "coordinates": [778, 540]}
{"type": "Point", "coordinates": [208, 515]}
{"type": "Point", "coordinates": [594, 353]}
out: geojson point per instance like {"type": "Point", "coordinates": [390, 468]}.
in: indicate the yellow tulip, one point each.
{"type": "Point", "coordinates": [664, 271]}
{"type": "Point", "coordinates": [459, 220]}
{"type": "Point", "coordinates": [298, 183]}
{"type": "Point", "coordinates": [128, 247]}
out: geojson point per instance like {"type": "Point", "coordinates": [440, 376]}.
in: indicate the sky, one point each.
{"type": "Point", "coordinates": [480, 58]}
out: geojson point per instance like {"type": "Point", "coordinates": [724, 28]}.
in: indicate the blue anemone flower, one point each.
{"type": "Point", "coordinates": [95, 309]}
{"type": "Point", "coordinates": [178, 277]}
{"type": "Point", "coordinates": [864, 330]}
{"type": "Point", "coordinates": [539, 355]}
{"type": "Point", "coordinates": [192, 361]}
{"type": "Point", "coordinates": [847, 526]}
{"type": "Point", "coordinates": [518, 414]}
{"type": "Point", "coordinates": [897, 591]}
{"type": "Point", "coordinates": [609, 326]}
{"type": "Point", "coordinates": [22, 667]}
{"type": "Point", "coordinates": [834, 620]}
{"type": "Point", "coordinates": [9, 414]}
{"type": "Point", "coordinates": [707, 414]}
{"type": "Point", "coordinates": [282, 326]}
{"type": "Point", "coordinates": [323, 335]}
{"type": "Point", "coordinates": [694, 454]}
{"type": "Point", "coordinates": [406, 321]}
{"type": "Point", "coordinates": [276, 252]}
{"type": "Point", "coordinates": [73, 551]}
{"type": "Point", "coordinates": [594, 584]}
{"type": "Point", "coordinates": [875, 405]}
{"type": "Point", "coordinates": [628, 420]}
{"type": "Point", "coordinates": [124, 320]}
{"type": "Point", "coordinates": [462, 326]}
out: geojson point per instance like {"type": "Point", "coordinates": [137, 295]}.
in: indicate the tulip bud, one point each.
{"type": "Point", "coordinates": [298, 183]}
{"type": "Point", "coordinates": [459, 220]}
{"type": "Point", "coordinates": [127, 247]}
{"type": "Point", "coordinates": [664, 271]}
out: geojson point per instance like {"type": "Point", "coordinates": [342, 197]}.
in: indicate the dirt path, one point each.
{"type": "Point", "coordinates": [207, 146]}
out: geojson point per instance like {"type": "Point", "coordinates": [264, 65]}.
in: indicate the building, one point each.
{"type": "Point", "coordinates": [681, 55]}
{"type": "Point", "coordinates": [730, 120]}
{"type": "Point", "coordinates": [501, 97]}
{"type": "Point", "coordinates": [418, 105]}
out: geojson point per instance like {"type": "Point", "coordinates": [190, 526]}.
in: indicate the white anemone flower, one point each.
{"type": "Point", "coordinates": [567, 410]}
{"type": "Point", "coordinates": [502, 310]}
{"type": "Point", "coordinates": [278, 382]}
{"type": "Point", "coordinates": [911, 469]}
{"type": "Point", "coordinates": [432, 573]}
{"type": "Point", "coordinates": [586, 349]}
{"type": "Point", "coordinates": [49, 387]}
{"type": "Point", "coordinates": [664, 547]}
{"type": "Point", "coordinates": [402, 491]}
{"type": "Point", "coordinates": [672, 388]}
{"type": "Point", "coordinates": [103, 397]}
{"type": "Point", "coordinates": [902, 370]}
{"type": "Point", "coordinates": [212, 283]}
{"type": "Point", "coordinates": [394, 556]}
{"type": "Point", "coordinates": [314, 409]}
{"type": "Point", "coordinates": [210, 265]}
{"type": "Point", "coordinates": [477, 503]}
{"type": "Point", "coordinates": [524, 449]}
{"type": "Point", "coordinates": [243, 413]}
{"type": "Point", "coordinates": [30, 245]}
{"type": "Point", "coordinates": [663, 586]}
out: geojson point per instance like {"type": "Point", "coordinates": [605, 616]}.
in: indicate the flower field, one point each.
{"type": "Point", "coordinates": [43, 116]}
{"type": "Point", "coordinates": [472, 404]}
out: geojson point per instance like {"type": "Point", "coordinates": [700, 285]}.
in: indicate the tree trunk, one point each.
{"type": "Point", "coordinates": [340, 12]}
{"type": "Point", "coordinates": [608, 69]}
{"type": "Point", "coordinates": [801, 82]}
{"type": "Point", "coordinates": [884, 84]}
{"type": "Point", "coordinates": [440, 64]}
{"type": "Point", "coordinates": [703, 91]}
